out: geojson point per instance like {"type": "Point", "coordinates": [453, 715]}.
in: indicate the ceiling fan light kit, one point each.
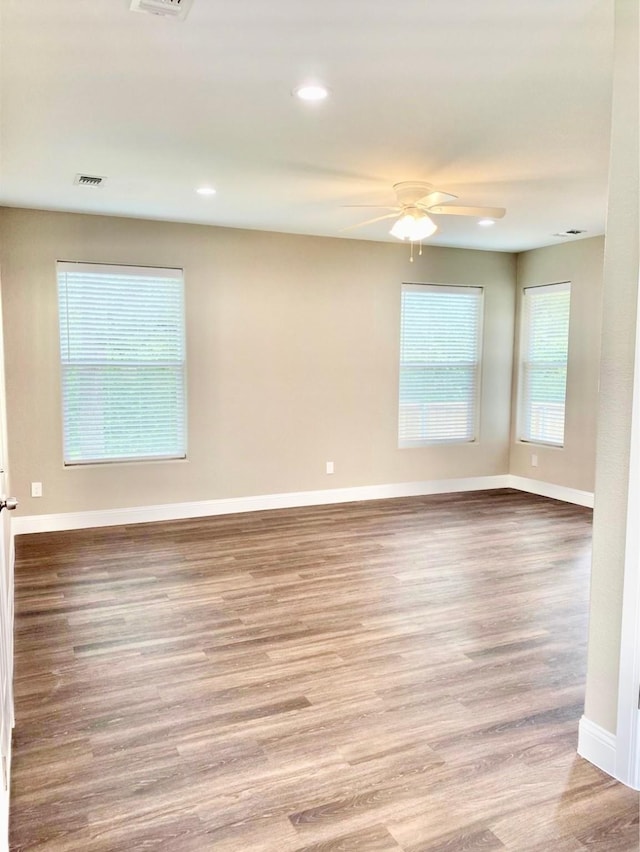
{"type": "Point", "coordinates": [414, 227]}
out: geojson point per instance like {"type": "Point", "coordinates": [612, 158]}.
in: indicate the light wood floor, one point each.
{"type": "Point", "coordinates": [395, 675]}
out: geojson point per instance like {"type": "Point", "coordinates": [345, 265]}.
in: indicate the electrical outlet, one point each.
{"type": "Point", "coordinates": [36, 489]}
{"type": "Point", "coordinates": [534, 460]}
{"type": "Point", "coordinates": [330, 468]}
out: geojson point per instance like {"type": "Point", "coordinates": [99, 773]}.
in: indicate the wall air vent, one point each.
{"type": "Point", "coordinates": [166, 8]}
{"type": "Point", "coordinates": [89, 180]}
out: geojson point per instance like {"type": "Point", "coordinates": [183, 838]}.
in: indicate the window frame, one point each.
{"type": "Point", "coordinates": [558, 286]}
{"type": "Point", "coordinates": [90, 266]}
{"type": "Point", "coordinates": [476, 421]}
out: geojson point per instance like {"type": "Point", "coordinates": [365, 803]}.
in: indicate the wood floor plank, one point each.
{"type": "Point", "coordinates": [394, 676]}
{"type": "Point", "coordinates": [376, 839]}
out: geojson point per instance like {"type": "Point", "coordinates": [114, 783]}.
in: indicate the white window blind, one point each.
{"type": "Point", "coordinates": [439, 364]}
{"type": "Point", "coordinates": [123, 363]}
{"type": "Point", "coordinates": [543, 363]}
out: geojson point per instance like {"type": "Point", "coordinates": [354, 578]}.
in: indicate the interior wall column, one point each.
{"type": "Point", "coordinates": [616, 378]}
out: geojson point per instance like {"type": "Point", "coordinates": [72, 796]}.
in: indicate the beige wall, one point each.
{"type": "Point", "coordinates": [579, 262]}
{"type": "Point", "coordinates": [292, 360]}
{"type": "Point", "coordinates": [616, 376]}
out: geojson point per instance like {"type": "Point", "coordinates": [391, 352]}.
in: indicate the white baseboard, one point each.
{"type": "Point", "coordinates": [597, 746]}
{"type": "Point", "coordinates": [548, 489]}
{"type": "Point", "coordinates": [4, 820]}
{"type": "Point", "coordinates": [233, 505]}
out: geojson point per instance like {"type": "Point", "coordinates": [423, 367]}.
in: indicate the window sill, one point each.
{"type": "Point", "coordinates": [123, 463]}
{"type": "Point", "coordinates": [521, 442]}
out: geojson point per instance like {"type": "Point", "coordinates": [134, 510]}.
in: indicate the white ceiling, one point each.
{"type": "Point", "coordinates": [502, 102]}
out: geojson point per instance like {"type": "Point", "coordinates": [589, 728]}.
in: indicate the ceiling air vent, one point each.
{"type": "Point", "coordinates": [89, 180]}
{"type": "Point", "coordinates": [572, 232]}
{"type": "Point", "coordinates": [166, 8]}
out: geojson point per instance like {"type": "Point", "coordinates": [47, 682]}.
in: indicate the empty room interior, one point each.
{"type": "Point", "coordinates": [319, 426]}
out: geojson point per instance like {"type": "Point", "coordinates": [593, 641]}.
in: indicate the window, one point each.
{"type": "Point", "coordinates": [123, 365]}
{"type": "Point", "coordinates": [439, 364]}
{"type": "Point", "coordinates": [543, 363]}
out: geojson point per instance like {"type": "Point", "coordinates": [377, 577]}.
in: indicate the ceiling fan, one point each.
{"type": "Point", "coordinates": [417, 202]}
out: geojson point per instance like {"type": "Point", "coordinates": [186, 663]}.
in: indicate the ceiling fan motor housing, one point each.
{"type": "Point", "coordinates": [409, 191]}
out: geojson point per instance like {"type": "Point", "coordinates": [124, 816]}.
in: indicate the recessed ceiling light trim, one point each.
{"type": "Point", "coordinates": [311, 92]}
{"type": "Point", "coordinates": [206, 190]}
{"type": "Point", "coordinates": [486, 223]}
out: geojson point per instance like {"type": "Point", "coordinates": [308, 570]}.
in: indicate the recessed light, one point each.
{"type": "Point", "coordinates": [311, 92]}
{"type": "Point", "coordinates": [206, 190]}
{"type": "Point", "coordinates": [486, 223]}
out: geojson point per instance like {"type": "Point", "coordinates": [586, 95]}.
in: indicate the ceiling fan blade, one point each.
{"type": "Point", "coordinates": [480, 212]}
{"type": "Point", "coordinates": [371, 221]}
{"type": "Point", "coordinates": [427, 201]}
{"type": "Point", "coordinates": [370, 207]}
